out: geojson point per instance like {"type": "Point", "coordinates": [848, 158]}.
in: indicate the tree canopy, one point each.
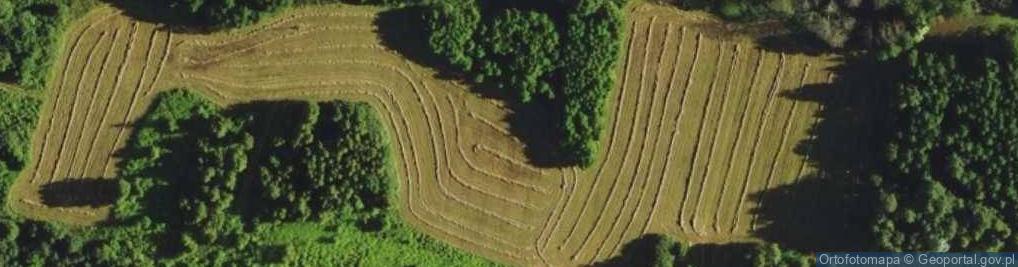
{"type": "Point", "coordinates": [29, 30]}
{"type": "Point", "coordinates": [951, 180]}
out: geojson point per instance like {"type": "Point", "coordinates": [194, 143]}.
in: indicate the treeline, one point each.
{"type": "Point", "coordinates": [561, 53]}
{"type": "Point", "coordinates": [29, 34]}
{"type": "Point", "coordinates": [952, 173]}
{"type": "Point", "coordinates": [886, 27]}
{"type": "Point", "coordinates": [656, 250]}
{"type": "Point", "coordinates": [217, 14]}
{"type": "Point", "coordinates": [224, 14]}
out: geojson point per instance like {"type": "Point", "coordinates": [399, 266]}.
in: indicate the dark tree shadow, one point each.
{"type": "Point", "coordinates": [719, 255]}
{"type": "Point", "coordinates": [160, 12]}
{"type": "Point", "coordinates": [401, 30]}
{"type": "Point", "coordinates": [831, 209]}
{"type": "Point", "coordinates": [794, 43]}
{"type": "Point", "coordinates": [641, 252]}
{"type": "Point", "coordinates": [91, 192]}
{"type": "Point", "coordinates": [638, 252]}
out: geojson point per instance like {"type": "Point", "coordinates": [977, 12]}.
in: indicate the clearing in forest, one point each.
{"type": "Point", "coordinates": [698, 124]}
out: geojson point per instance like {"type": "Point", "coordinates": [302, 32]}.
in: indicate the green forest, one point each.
{"type": "Point", "coordinates": [950, 181]}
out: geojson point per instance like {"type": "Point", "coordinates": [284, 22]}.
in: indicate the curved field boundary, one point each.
{"type": "Point", "coordinates": [569, 190]}
{"type": "Point", "coordinates": [461, 181]}
{"type": "Point", "coordinates": [756, 143]}
{"type": "Point", "coordinates": [91, 105]}
{"type": "Point", "coordinates": [507, 180]}
{"type": "Point", "coordinates": [439, 158]}
{"type": "Point", "coordinates": [435, 135]}
{"type": "Point", "coordinates": [628, 148]}
{"type": "Point", "coordinates": [513, 182]}
{"type": "Point", "coordinates": [640, 161]}
{"type": "Point", "coordinates": [412, 153]}
{"type": "Point", "coordinates": [699, 137]}
{"type": "Point", "coordinates": [738, 139]}
{"type": "Point", "coordinates": [74, 106]}
{"type": "Point", "coordinates": [718, 130]}
{"type": "Point", "coordinates": [499, 154]}
{"type": "Point", "coordinates": [434, 104]}
{"type": "Point", "coordinates": [41, 158]}
{"type": "Point", "coordinates": [416, 163]}
{"type": "Point", "coordinates": [669, 148]}
{"type": "Point", "coordinates": [438, 178]}
{"type": "Point", "coordinates": [491, 124]}
{"type": "Point", "coordinates": [410, 203]}
{"type": "Point", "coordinates": [454, 221]}
{"type": "Point", "coordinates": [781, 148]}
{"type": "Point", "coordinates": [611, 141]}
{"type": "Point", "coordinates": [554, 216]}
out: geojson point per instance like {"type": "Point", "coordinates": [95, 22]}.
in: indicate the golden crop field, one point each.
{"type": "Point", "coordinates": [698, 124]}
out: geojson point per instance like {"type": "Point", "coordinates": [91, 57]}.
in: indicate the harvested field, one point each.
{"type": "Point", "coordinates": [698, 124]}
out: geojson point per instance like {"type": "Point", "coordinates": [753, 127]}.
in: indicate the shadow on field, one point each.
{"type": "Point", "coordinates": [831, 209]}
{"type": "Point", "coordinates": [92, 192]}
{"type": "Point", "coordinates": [719, 255]}
{"type": "Point", "coordinates": [793, 43]}
{"type": "Point", "coordinates": [159, 12]}
{"type": "Point", "coordinates": [533, 123]}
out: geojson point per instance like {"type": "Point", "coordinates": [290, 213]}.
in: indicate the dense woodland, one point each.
{"type": "Point", "coordinates": [951, 180]}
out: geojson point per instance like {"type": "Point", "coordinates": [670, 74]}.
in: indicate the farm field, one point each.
{"type": "Point", "coordinates": [699, 123]}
